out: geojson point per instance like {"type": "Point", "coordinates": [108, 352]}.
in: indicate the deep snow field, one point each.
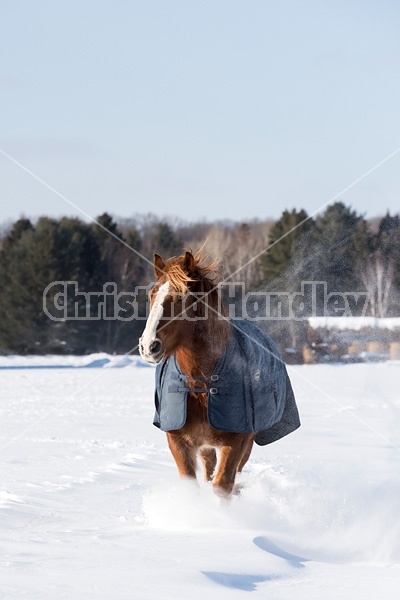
{"type": "Point", "coordinates": [91, 505]}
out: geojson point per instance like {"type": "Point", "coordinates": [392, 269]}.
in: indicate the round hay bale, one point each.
{"type": "Point", "coordinates": [377, 347]}
{"type": "Point", "coordinates": [308, 357]}
{"type": "Point", "coordinates": [395, 350]}
{"type": "Point", "coordinates": [354, 349]}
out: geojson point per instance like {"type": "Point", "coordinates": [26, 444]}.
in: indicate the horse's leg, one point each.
{"type": "Point", "coordinates": [246, 455]}
{"type": "Point", "coordinates": [209, 460]}
{"type": "Point", "coordinates": [224, 479]}
{"type": "Point", "coordinates": [184, 455]}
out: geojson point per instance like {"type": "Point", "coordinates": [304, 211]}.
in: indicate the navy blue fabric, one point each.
{"type": "Point", "coordinates": [249, 391]}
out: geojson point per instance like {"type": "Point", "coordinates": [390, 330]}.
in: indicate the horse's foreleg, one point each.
{"type": "Point", "coordinates": [209, 460]}
{"type": "Point", "coordinates": [184, 455]}
{"type": "Point", "coordinates": [245, 455]}
{"type": "Point", "coordinates": [224, 479]}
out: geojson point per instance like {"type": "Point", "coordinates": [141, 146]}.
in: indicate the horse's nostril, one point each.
{"type": "Point", "coordinates": [155, 347]}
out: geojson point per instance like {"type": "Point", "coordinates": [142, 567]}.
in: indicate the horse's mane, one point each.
{"type": "Point", "coordinates": [201, 277]}
{"type": "Point", "coordinates": [205, 272]}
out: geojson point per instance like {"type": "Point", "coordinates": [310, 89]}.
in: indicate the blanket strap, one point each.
{"type": "Point", "coordinates": [180, 377]}
{"type": "Point", "coordinates": [178, 389]}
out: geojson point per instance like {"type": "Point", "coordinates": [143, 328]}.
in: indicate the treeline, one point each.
{"type": "Point", "coordinates": [338, 247]}
{"type": "Point", "coordinates": [355, 261]}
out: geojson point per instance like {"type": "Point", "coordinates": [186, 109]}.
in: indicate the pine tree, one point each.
{"type": "Point", "coordinates": [27, 266]}
{"type": "Point", "coordinates": [166, 242]}
{"type": "Point", "coordinates": [338, 248]}
{"type": "Point", "coordinates": [121, 266]}
{"type": "Point", "coordinates": [283, 242]}
{"type": "Point", "coordinates": [388, 238]}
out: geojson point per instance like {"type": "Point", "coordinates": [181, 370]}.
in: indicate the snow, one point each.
{"type": "Point", "coordinates": [97, 360]}
{"type": "Point", "coordinates": [91, 506]}
{"type": "Point", "coordinates": [354, 323]}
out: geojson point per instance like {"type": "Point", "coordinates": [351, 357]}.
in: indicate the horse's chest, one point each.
{"type": "Point", "coordinates": [196, 410]}
{"type": "Point", "coordinates": [197, 419]}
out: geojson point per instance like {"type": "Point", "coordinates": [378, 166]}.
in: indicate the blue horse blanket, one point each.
{"type": "Point", "coordinates": [249, 390]}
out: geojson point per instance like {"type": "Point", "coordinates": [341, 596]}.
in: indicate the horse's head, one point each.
{"type": "Point", "coordinates": [178, 299]}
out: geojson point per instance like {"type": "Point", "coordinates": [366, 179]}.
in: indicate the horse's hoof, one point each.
{"type": "Point", "coordinates": [238, 488]}
{"type": "Point", "coordinates": [222, 493]}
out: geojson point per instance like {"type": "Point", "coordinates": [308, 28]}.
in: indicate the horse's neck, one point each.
{"type": "Point", "coordinates": [202, 349]}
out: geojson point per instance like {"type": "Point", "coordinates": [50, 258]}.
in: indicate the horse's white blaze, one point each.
{"type": "Point", "coordinates": [150, 331]}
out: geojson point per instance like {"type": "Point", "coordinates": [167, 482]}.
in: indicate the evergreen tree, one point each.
{"type": "Point", "coordinates": [387, 239]}
{"type": "Point", "coordinates": [27, 266]}
{"type": "Point", "coordinates": [338, 248]}
{"type": "Point", "coordinates": [283, 242]}
{"type": "Point", "coordinates": [122, 267]}
{"type": "Point", "coordinates": [16, 232]}
{"type": "Point", "coordinates": [166, 242]}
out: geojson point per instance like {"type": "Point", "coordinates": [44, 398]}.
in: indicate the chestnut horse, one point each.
{"type": "Point", "coordinates": [180, 325]}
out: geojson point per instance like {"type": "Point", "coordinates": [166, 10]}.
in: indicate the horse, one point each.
{"type": "Point", "coordinates": [220, 385]}
{"type": "Point", "coordinates": [187, 319]}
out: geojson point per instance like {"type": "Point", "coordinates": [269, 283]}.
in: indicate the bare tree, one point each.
{"type": "Point", "coordinates": [237, 245]}
{"type": "Point", "coordinates": [378, 281]}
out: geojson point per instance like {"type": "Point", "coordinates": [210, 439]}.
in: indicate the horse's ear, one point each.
{"type": "Point", "coordinates": [188, 262]}
{"type": "Point", "coordinates": [158, 266]}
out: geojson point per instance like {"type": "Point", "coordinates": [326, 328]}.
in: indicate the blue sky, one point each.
{"type": "Point", "coordinates": [208, 109]}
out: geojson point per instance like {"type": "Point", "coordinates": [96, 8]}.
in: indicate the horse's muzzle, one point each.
{"type": "Point", "coordinates": [153, 352]}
